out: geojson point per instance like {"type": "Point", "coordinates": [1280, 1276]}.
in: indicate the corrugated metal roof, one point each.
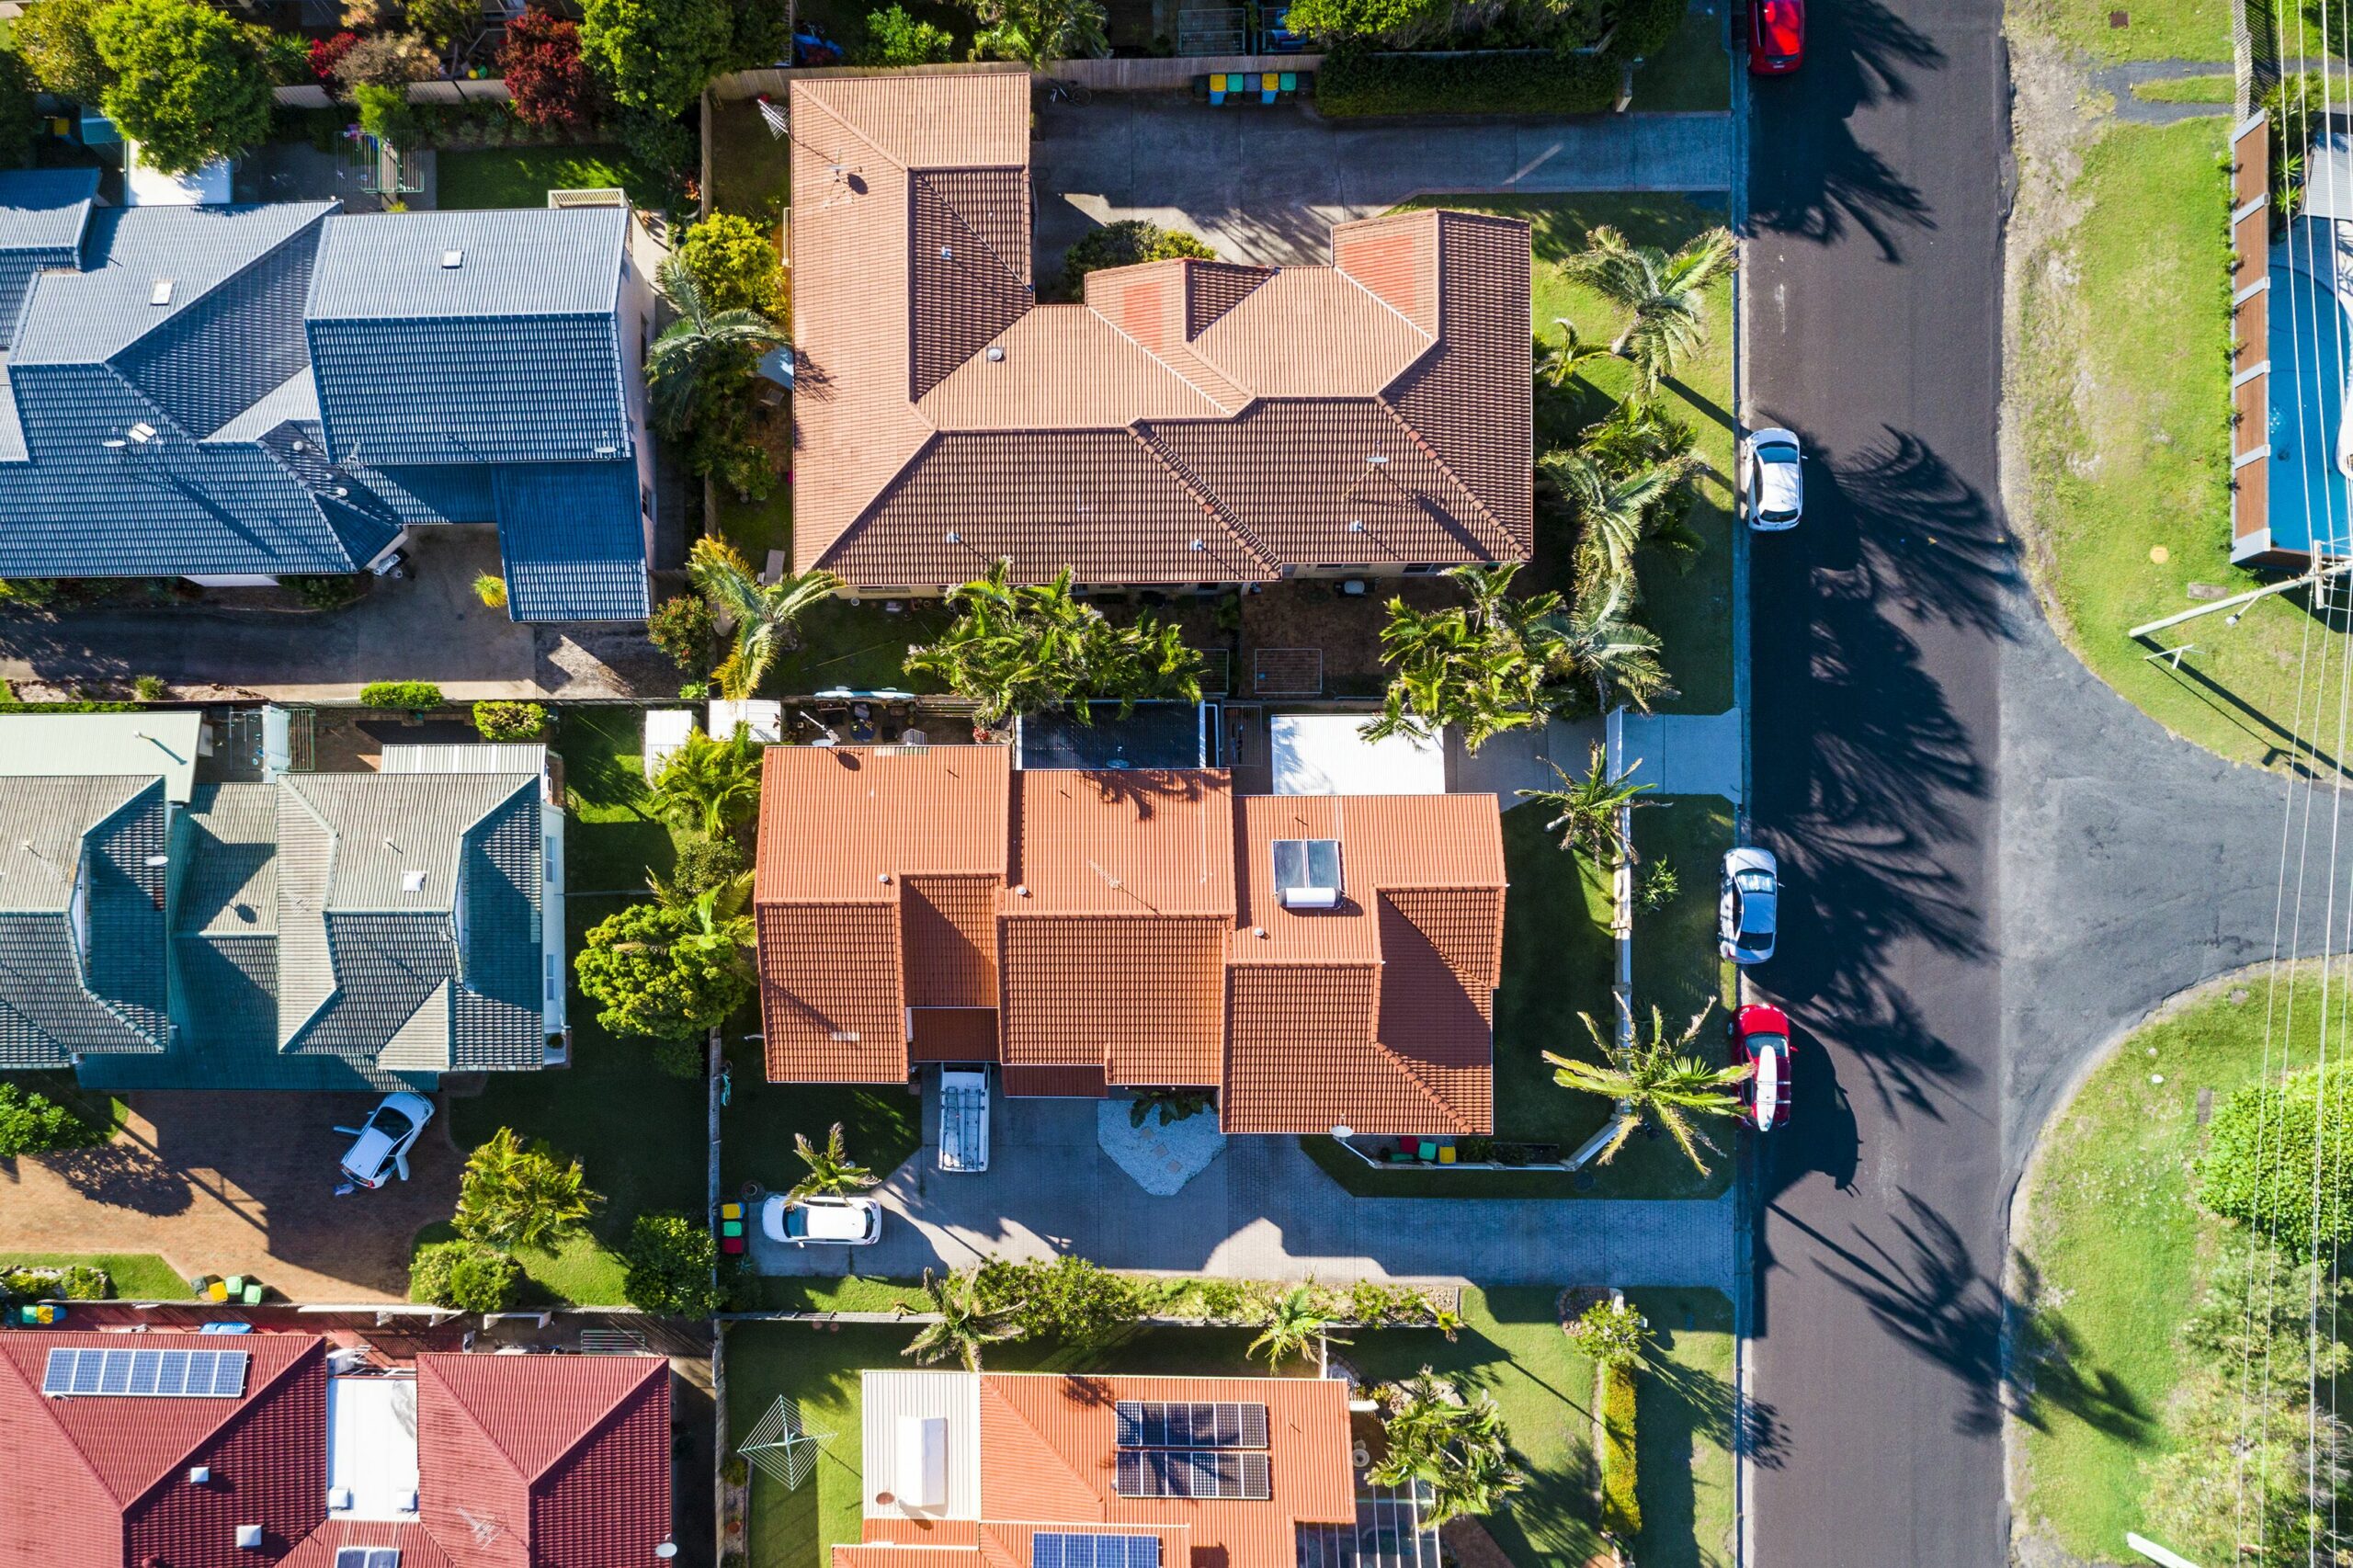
{"type": "Point", "coordinates": [539, 261]}
{"type": "Point", "coordinates": [148, 744]}
{"type": "Point", "coordinates": [889, 1399]}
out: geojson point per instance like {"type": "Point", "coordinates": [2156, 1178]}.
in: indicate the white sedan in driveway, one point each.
{"type": "Point", "coordinates": [1771, 478]}
{"type": "Point", "coordinates": [381, 1144]}
{"type": "Point", "coordinates": [822, 1221]}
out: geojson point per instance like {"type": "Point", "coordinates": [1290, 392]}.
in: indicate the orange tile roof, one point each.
{"type": "Point", "coordinates": [1049, 1443]}
{"type": "Point", "coordinates": [1087, 929]}
{"type": "Point", "coordinates": [936, 395]}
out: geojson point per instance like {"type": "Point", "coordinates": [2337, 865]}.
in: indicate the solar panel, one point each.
{"type": "Point", "coordinates": [113, 1371]}
{"type": "Point", "coordinates": [1194, 1472]}
{"type": "Point", "coordinates": [1052, 1550]}
{"type": "Point", "coordinates": [367, 1557]}
{"type": "Point", "coordinates": [1158, 1423]}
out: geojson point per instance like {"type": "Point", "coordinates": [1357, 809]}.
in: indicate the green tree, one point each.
{"type": "Point", "coordinates": [1456, 1444]}
{"type": "Point", "coordinates": [1612, 1333]}
{"type": "Point", "coordinates": [516, 1194]}
{"type": "Point", "coordinates": [58, 39]}
{"type": "Point", "coordinates": [688, 362]}
{"type": "Point", "coordinates": [1665, 296]}
{"type": "Point", "coordinates": [1602, 646]}
{"type": "Point", "coordinates": [1037, 647]}
{"type": "Point", "coordinates": [657, 55]}
{"type": "Point", "coordinates": [895, 37]}
{"type": "Point", "coordinates": [733, 263]}
{"type": "Point", "coordinates": [668, 973]}
{"type": "Point", "coordinates": [1071, 1299]}
{"type": "Point", "coordinates": [445, 22]}
{"type": "Point", "coordinates": [965, 1323]}
{"type": "Point", "coordinates": [674, 1268]}
{"type": "Point", "coordinates": [32, 1124]}
{"type": "Point", "coordinates": [710, 786]}
{"type": "Point", "coordinates": [1399, 22]}
{"type": "Point", "coordinates": [1127, 242]}
{"type": "Point", "coordinates": [20, 110]}
{"type": "Point", "coordinates": [1299, 1318]}
{"type": "Point", "coordinates": [1484, 667]}
{"type": "Point", "coordinates": [189, 85]}
{"type": "Point", "coordinates": [1654, 1079]}
{"type": "Point", "coordinates": [681, 626]}
{"type": "Point", "coordinates": [1038, 31]}
{"type": "Point", "coordinates": [2279, 1159]}
{"type": "Point", "coordinates": [832, 1173]}
{"type": "Point", "coordinates": [707, 863]}
{"type": "Point", "coordinates": [1586, 809]}
{"type": "Point", "coordinates": [1556, 362]}
{"type": "Point", "coordinates": [1618, 512]}
{"type": "Point", "coordinates": [465, 1275]}
{"type": "Point", "coordinates": [758, 616]}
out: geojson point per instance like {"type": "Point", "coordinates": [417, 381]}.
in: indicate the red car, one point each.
{"type": "Point", "coordinates": [1775, 37]}
{"type": "Point", "coordinates": [1760, 1039]}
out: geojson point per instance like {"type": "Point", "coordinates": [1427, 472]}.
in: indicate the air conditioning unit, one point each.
{"type": "Point", "coordinates": [338, 1499]}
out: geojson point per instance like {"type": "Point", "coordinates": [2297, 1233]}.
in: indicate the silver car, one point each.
{"type": "Point", "coordinates": [1773, 480]}
{"type": "Point", "coordinates": [1748, 904]}
{"type": "Point", "coordinates": [381, 1144]}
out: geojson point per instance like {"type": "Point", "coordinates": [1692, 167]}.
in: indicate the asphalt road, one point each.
{"type": "Point", "coordinates": [1877, 185]}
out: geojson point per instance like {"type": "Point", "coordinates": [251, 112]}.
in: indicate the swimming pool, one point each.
{"type": "Point", "coordinates": [2309, 498]}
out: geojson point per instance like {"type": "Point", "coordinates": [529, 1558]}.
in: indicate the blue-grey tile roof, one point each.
{"type": "Point", "coordinates": [573, 542]}
{"type": "Point", "coordinates": [95, 842]}
{"type": "Point", "coordinates": [551, 261]}
{"type": "Point", "coordinates": [41, 216]}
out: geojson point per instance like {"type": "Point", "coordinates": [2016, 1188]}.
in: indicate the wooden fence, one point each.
{"type": "Point", "coordinates": [2251, 337]}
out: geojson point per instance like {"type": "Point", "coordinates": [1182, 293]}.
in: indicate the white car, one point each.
{"type": "Point", "coordinates": [1748, 899]}
{"type": "Point", "coordinates": [1771, 477]}
{"type": "Point", "coordinates": [381, 1144]}
{"type": "Point", "coordinates": [822, 1221]}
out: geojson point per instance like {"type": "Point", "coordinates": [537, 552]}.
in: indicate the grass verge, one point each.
{"type": "Point", "coordinates": [522, 177]}
{"type": "Point", "coordinates": [2154, 30]}
{"type": "Point", "coordinates": [1692, 72]}
{"type": "Point", "coordinates": [2111, 1261]}
{"type": "Point", "coordinates": [136, 1276]}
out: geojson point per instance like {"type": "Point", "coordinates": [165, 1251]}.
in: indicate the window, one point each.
{"type": "Point", "coordinates": [1307, 872]}
{"type": "Point", "coordinates": [151, 1374]}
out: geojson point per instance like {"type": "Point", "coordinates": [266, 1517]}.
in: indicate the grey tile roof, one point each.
{"type": "Point", "coordinates": [501, 390]}
{"type": "Point", "coordinates": [515, 262]}
{"type": "Point", "coordinates": [572, 542]}
{"type": "Point", "coordinates": [294, 399]}
{"type": "Point", "coordinates": [497, 1021]}
{"type": "Point", "coordinates": [55, 1000]}
{"type": "Point", "coordinates": [41, 216]}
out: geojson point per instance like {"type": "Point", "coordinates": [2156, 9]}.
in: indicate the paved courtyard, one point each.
{"type": "Point", "coordinates": [1261, 1209]}
{"type": "Point", "coordinates": [234, 1183]}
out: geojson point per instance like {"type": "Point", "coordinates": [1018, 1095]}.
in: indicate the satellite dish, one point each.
{"type": "Point", "coordinates": [666, 1551]}
{"type": "Point", "coordinates": [1344, 1131]}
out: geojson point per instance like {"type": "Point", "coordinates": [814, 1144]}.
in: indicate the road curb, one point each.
{"type": "Point", "coordinates": [1743, 1297]}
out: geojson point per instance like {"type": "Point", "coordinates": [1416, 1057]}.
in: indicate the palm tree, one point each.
{"type": "Point", "coordinates": [700, 342]}
{"type": "Point", "coordinates": [1033, 647]}
{"type": "Point", "coordinates": [965, 1325]}
{"type": "Point", "coordinates": [1665, 296]}
{"type": "Point", "coordinates": [831, 1172]}
{"type": "Point", "coordinates": [1620, 510]}
{"type": "Point", "coordinates": [759, 616]}
{"type": "Point", "coordinates": [1458, 1445]}
{"type": "Point", "coordinates": [710, 785]}
{"type": "Point", "coordinates": [1297, 1319]}
{"type": "Point", "coordinates": [1654, 1079]}
{"type": "Point", "coordinates": [1562, 360]}
{"type": "Point", "coordinates": [1484, 667]}
{"type": "Point", "coordinates": [1588, 808]}
{"type": "Point", "coordinates": [1602, 643]}
{"type": "Point", "coordinates": [516, 1194]}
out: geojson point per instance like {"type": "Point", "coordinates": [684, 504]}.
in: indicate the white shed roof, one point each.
{"type": "Point", "coordinates": [666, 730]}
{"type": "Point", "coordinates": [894, 1398]}
{"type": "Point", "coordinates": [1324, 754]}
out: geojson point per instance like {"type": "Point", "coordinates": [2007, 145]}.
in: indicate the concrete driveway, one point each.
{"type": "Point", "coordinates": [236, 1182]}
{"type": "Point", "coordinates": [429, 627]}
{"type": "Point", "coordinates": [1261, 1210]}
{"type": "Point", "coordinates": [1268, 184]}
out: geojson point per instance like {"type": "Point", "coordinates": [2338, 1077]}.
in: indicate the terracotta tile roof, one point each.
{"type": "Point", "coordinates": [1118, 937]}
{"type": "Point", "coordinates": [1049, 1448]}
{"type": "Point", "coordinates": [916, 329]}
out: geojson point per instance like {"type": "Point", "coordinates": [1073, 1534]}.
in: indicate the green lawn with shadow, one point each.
{"type": "Point", "coordinates": [1692, 72]}
{"type": "Point", "coordinates": [522, 177]}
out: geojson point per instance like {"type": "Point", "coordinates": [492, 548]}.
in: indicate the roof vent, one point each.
{"type": "Point", "coordinates": [948, 253]}
{"type": "Point", "coordinates": [338, 1499]}
{"type": "Point", "coordinates": [996, 354]}
{"type": "Point", "coordinates": [249, 1538]}
{"type": "Point", "coordinates": [199, 1475]}
{"type": "Point", "coordinates": [412, 881]}
{"type": "Point", "coordinates": [453, 259]}
{"type": "Point", "coordinates": [1307, 872]}
{"type": "Point", "coordinates": [161, 294]}
{"type": "Point", "coordinates": [1021, 889]}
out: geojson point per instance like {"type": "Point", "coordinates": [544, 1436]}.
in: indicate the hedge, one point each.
{"type": "Point", "coordinates": [510, 720]}
{"type": "Point", "coordinates": [399, 693]}
{"type": "Point", "coordinates": [1533, 83]}
{"type": "Point", "coordinates": [1621, 1512]}
{"type": "Point", "coordinates": [78, 1282]}
{"type": "Point", "coordinates": [1645, 27]}
{"type": "Point", "coordinates": [2266, 1160]}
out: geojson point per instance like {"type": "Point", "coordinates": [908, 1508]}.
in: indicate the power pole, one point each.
{"type": "Point", "coordinates": [2312, 579]}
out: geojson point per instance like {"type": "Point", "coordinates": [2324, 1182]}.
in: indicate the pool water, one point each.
{"type": "Point", "coordinates": [2309, 497]}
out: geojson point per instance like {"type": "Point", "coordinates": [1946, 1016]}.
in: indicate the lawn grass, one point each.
{"type": "Point", "coordinates": [1693, 72]}
{"type": "Point", "coordinates": [882, 1124]}
{"type": "Point", "coordinates": [2127, 441]}
{"type": "Point", "coordinates": [751, 168]}
{"type": "Point", "coordinates": [1510, 1345]}
{"type": "Point", "coordinates": [1690, 609]}
{"type": "Point", "coordinates": [1676, 966]}
{"type": "Point", "coordinates": [2114, 1249]}
{"type": "Point", "coordinates": [136, 1276]}
{"type": "Point", "coordinates": [2155, 30]}
{"type": "Point", "coordinates": [612, 837]}
{"type": "Point", "coordinates": [1683, 1424]}
{"type": "Point", "coordinates": [522, 177]}
{"type": "Point", "coordinates": [2210, 89]}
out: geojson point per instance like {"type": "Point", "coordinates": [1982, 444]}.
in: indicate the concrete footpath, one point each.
{"type": "Point", "coordinates": [1267, 186]}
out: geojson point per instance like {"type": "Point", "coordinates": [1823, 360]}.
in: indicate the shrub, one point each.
{"type": "Point", "coordinates": [464, 1275]}
{"type": "Point", "coordinates": [670, 1261]}
{"type": "Point", "coordinates": [326, 593]}
{"type": "Point", "coordinates": [326, 53]}
{"type": "Point", "coordinates": [694, 691]}
{"type": "Point", "coordinates": [551, 83]}
{"type": "Point", "coordinates": [1124, 243]}
{"type": "Point", "coordinates": [491, 589]}
{"type": "Point", "coordinates": [657, 141]}
{"type": "Point", "coordinates": [2262, 1167]}
{"type": "Point", "coordinates": [149, 688]}
{"type": "Point", "coordinates": [1397, 21]}
{"type": "Point", "coordinates": [411, 694]}
{"type": "Point", "coordinates": [681, 626]}
{"type": "Point", "coordinates": [1660, 886]}
{"type": "Point", "coordinates": [510, 720]}
{"type": "Point", "coordinates": [385, 60]}
{"type": "Point", "coordinates": [56, 40]}
{"type": "Point", "coordinates": [1354, 82]}
{"type": "Point", "coordinates": [1069, 1299]}
{"type": "Point", "coordinates": [384, 113]}
{"type": "Point", "coordinates": [1221, 1299]}
{"type": "Point", "coordinates": [659, 973]}
{"type": "Point", "coordinates": [520, 1194]}
{"type": "Point", "coordinates": [1621, 1511]}
{"type": "Point", "coordinates": [34, 591]}
{"type": "Point", "coordinates": [735, 264]}
{"type": "Point", "coordinates": [1035, 31]}
{"type": "Point", "coordinates": [893, 38]}
{"type": "Point", "coordinates": [32, 1124]}
{"type": "Point", "coordinates": [1644, 26]}
{"type": "Point", "coordinates": [189, 85]}
{"type": "Point", "coordinates": [1611, 1332]}
{"type": "Point", "coordinates": [707, 861]}
{"type": "Point", "coordinates": [74, 1282]}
